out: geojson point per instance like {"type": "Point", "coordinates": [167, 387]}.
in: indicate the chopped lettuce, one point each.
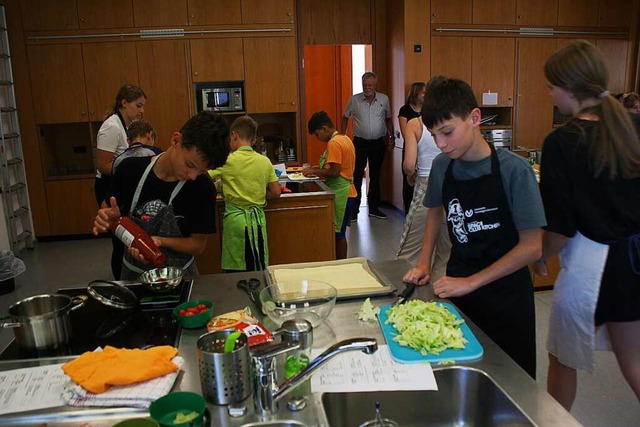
{"type": "Point", "coordinates": [427, 327]}
{"type": "Point", "coordinates": [368, 311]}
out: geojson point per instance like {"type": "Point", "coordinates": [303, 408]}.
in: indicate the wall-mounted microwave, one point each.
{"type": "Point", "coordinates": [221, 97]}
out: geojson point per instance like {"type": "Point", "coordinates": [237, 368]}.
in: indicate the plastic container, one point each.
{"type": "Point", "coordinates": [137, 422]}
{"type": "Point", "coordinates": [10, 267]}
{"type": "Point", "coordinates": [166, 410]}
{"type": "Point", "coordinates": [225, 377]}
{"type": "Point", "coordinates": [196, 320]}
{"type": "Point", "coordinates": [304, 299]}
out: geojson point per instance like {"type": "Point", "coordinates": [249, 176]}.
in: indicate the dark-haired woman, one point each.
{"type": "Point", "coordinates": [112, 136]}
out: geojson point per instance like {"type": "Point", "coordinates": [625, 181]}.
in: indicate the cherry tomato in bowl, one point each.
{"type": "Point", "coordinates": [194, 314]}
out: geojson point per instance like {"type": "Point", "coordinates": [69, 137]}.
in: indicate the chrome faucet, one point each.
{"type": "Point", "coordinates": [267, 392]}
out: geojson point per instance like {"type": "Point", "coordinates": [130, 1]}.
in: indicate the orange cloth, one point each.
{"type": "Point", "coordinates": [96, 371]}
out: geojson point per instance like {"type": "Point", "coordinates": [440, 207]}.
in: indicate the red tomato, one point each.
{"type": "Point", "coordinates": [182, 312]}
{"type": "Point", "coordinates": [202, 307]}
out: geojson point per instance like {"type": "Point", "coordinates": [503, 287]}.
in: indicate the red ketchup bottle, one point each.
{"type": "Point", "coordinates": [130, 233]}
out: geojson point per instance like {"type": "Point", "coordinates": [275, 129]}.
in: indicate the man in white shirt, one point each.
{"type": "Point", "coordinates": [372, 136]}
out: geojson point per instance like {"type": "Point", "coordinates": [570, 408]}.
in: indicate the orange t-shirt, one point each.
{"type": "Point", "coordinates": [340, 150]}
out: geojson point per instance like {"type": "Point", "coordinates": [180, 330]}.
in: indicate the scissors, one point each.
{"type": "Point", "coordinates": [251, 287]}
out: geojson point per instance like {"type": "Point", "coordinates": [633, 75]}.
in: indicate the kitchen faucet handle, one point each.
{"type": "Point", "coordinates": [269, 351]}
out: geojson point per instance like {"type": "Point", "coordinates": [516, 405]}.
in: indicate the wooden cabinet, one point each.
{"type": "Point", "coordinates": [444, 50]}
{"type": "Point", "coordinates": [72, 206]}
{"type": "Point", "coordinates": [451, 11]}
{"type": "Point", "coordinates": [299, 229]}
{"type": "Point", "coordinates": [617, 13]}
{"type": "Point", "coordinates": [207, 12]}
{"type": "Point", "coordinates": [270, 69]}
{"type": "Point", "coordinates": [76, 83]}
{"type": "Point", "coordinates": [493, 68]}
{"type": "Point", "coordinates": [57, 83]}
{"type": "Point", "coordinates": [577, 13]}
{"type": "Point", "coordinates": [217, 59]}
{"type": "Point", "coordinates": [268, 11]}
{"type": "Point", "coordinates": [163, 77]}
{"type": "Point", "coordinates": [553, 265]}
{"type": "Point", "coordinates": [534, 106]}
{"type": "Point", "coordinates": [537, 12]}
{"type": "Point", "coordinates": [107, 67]}
{"type": "Point", "coordinates": [160, 13]}
{"type": "Point", "coordinates": [38, 15]}
{"type": "Point", "coordinates": [494, 12]}
{"type": "Point", "coordinates": [105, 14]}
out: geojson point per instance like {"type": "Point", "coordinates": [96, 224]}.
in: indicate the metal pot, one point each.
{"type": "Point", "coordinates": [42, 321]}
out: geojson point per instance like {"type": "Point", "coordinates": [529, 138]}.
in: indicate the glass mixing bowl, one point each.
{"type": "Point", "coordinates": [303, 299]}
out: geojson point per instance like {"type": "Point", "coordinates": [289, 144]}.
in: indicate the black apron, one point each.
{"type": "Point", "coordinates": [481, 229]}
{"type": "Point", "coordinates": [165, 224]}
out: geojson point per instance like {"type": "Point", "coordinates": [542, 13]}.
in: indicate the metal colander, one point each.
{"type": "Point", "coordinates": [224, 377]}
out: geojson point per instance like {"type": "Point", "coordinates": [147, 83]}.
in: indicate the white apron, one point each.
{"type": "Point", "coordinates": [573, 336]}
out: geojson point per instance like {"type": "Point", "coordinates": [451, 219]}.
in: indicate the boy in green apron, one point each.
{"type": "Point", "coordinates": [248, 179]}
{"type": "Point", "coordinates": [336, 167]}
{"type": "Point", "coordinates": [492, 206]}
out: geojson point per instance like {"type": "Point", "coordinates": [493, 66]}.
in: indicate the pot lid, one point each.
{"type": "Point", "coordinates": [112, 294]}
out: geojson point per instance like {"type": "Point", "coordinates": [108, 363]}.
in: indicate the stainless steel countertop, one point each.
{"type": "Point", "coordinates": [542, 409]}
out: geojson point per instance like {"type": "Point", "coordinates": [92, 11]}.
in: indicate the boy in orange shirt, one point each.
{"type": "Point", "coordinates": [336, 167]}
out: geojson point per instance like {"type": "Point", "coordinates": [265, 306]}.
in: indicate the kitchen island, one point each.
{"type": "Point", "coordinates": [299, 227]}
{"type": "Point", "coordinates": [527, 395]}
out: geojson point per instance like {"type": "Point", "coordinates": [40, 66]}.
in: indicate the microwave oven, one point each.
{"type": "Point", "coordinates": [221, 97]}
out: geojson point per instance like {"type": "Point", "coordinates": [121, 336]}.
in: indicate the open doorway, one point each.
{"type": "Point", "coordinates": [332, 74]}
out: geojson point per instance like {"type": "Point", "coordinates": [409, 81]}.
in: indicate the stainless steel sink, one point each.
{"type": "Point", "coordinates": [465, 397]}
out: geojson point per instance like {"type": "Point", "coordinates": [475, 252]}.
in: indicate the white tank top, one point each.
{"type": "Point", "coordinates": [427, 151]}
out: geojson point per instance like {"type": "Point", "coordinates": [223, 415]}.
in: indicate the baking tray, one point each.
{"type": "Point", "coordinates": [473, 350]}
{"type": "Point", "coordinates": [383, 287]}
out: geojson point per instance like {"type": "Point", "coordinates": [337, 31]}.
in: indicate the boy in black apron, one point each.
{"type": "Point", "coordinates": [492, 206]}
{"type": "Point", "coordinates": [169, 195]}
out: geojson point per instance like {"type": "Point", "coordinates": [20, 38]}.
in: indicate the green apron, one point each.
{"type": "Point", "coordinates": [340, 186]}
{"type": "Point", "coordinates": [235, 220]}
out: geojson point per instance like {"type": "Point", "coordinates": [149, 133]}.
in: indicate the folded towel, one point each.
{"type": "Point", "coordinates": [139, 395]}
{"type": "Point", "coordinates": [96, 371]}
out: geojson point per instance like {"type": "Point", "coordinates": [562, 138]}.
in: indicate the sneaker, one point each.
{"type": "Point", "coordinates": [377, 213]}
{"type": "Point", "coordinates": [354, 217]}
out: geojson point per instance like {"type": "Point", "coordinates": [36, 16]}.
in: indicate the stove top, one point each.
{"type": "Point", "coordinates": [96, 325]}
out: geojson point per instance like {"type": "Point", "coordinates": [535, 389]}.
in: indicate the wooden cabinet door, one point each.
{"type": "Point", "coordinates": [163, 77]}
{"type": "Point", "coordinates": [107, 67]}
{"type": "Point", "coordinates": [537, 12]}
{"type": "Point", "coordinates": [72, 206]}
{"type": "Point", "coordinates": [105, 14]}
{"type": "Point", "coordinates": [217, 59]}
{"type": "Point", "coordinates": [38, 15]}
{"type": "Point", "coordinates": [534, 106]}
{"type": "Point", "coordinates": [207, 12]}
{"type": "Point", "coordinates": [160, 13]}
{"type": "Point", "coordinates": [577, 13]}
{"type": "Point", "coordinates": [615, 13]}
{"type": "Point", "coordinates": [270, 70]}
{"type": "Point", "coordinates": [501, 12]}
{"type": "Point", "coordinates": [57, 83]}
{"type": "Point", "coordinates": [268, 11]}
{"type": "Point", "coordinates": [451, 12]}
{"type": "Point", "coordinates": [493, 68]}
{"type": "Point", "coordinates": [616, 54]}
{"type": "Point", "coordinates": [451, 57]}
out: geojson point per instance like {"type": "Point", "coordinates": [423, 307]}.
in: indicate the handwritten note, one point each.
{"type": "Point", "coordinates": [356, 371]}
{"type": "Point", "coordinates": [31, 388]}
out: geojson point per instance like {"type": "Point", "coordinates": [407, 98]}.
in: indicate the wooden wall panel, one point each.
{"type": "Point", "coordinates": [335, 22]}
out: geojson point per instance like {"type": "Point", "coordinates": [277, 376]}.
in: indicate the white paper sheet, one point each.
{"type": "Point", "coordinates": [356, 371]}
{"type": "Point", "coordinates": [28, 389]}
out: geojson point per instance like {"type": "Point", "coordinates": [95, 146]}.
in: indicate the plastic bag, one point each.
{"type": "Point", "coordinates": [10, 266]}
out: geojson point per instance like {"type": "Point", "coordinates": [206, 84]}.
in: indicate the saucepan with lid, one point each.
{"type": "Point", "coordinates": [42, 321]}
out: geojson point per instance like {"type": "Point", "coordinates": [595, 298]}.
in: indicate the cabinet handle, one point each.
{"type": "Point", "coordinates": [434, 14]}
{"type": "Point", "coordinates": [83, 113]}
{"type": "Point", "coordinates": [288, 13]}
{"type": "Point", "coordinates": [293, 102]}
{"type": "Point", "coordinates": [91, 113]}
{"type": "Point", "coordinates": [195, 73]}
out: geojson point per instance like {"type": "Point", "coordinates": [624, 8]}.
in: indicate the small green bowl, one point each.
{"type": "Point", "coordinates": [196, 320]}
{"type": "Point", "coordinates": [137, 422]}
{"type": "Point", "coordinates": [165, 410]}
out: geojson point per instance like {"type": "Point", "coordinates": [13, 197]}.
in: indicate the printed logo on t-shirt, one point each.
{"type": "Point", "coordinates": [150, 210]}
{"type": "Point", "coordinates": [462, 227]}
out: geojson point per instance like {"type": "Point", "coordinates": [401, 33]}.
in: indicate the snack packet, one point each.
{"type": "Point", "coordinates": [243, 321]}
